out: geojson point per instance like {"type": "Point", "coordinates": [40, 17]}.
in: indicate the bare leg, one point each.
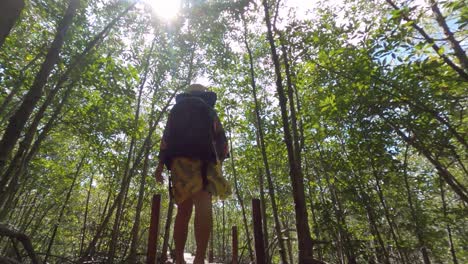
{"type": "Point", "coordinates": [203, 217]}
{"type": "Point", "coordinates": [184, 212]}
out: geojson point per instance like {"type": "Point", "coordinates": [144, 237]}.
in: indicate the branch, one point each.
{"type": "Point", "coordinates": [24, 239]}
{"type": "Point", "coordinates": [456, 186]}
{"type": "Point", "coordinates": [431, 41]}
{"type": "Point", "coordinates": [277, 7]}
{"type": "Point", "coordinates": [6, 260]}
{"type": "Point", "coordinates": [458, 50]}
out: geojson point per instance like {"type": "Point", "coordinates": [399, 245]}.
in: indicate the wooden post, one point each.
{"type": "Point", "coordinates": [258, 232]}
{"type": "Point", "coordinates": [153, 230]}
{"type": "Point", "coordinates": [235, 245]}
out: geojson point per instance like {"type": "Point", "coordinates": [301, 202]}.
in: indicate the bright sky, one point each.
{"type": "Point", "coordinates": [302, 6]}
{"type": "Point", "coordinates": [165, 9]}
{"type": "Point", "coordinates": [168, 9]}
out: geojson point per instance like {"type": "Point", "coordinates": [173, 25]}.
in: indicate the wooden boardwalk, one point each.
{"type": "Point", "coordinates": [258, 236]}
{"type": "Point", "coordinates": [189, 259]}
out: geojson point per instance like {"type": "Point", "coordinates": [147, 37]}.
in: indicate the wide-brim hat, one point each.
{"type": "Point", "coordinates": [196, 88]}
{"type": "Point", "coordinates": [200, 91]}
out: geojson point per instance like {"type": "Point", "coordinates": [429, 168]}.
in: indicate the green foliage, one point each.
{"type": "Point", "coordinates": [379, 114]}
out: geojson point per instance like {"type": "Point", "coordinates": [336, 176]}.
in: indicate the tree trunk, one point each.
{"type": "Point", "coordinates": [10, 11]}
{"type": "Point", "coordinates": [346, 245]}
{"type": "Point", "coordinates": [363, 196]}
{"type": "Point", "coordinates": [261, 144]}
{"type": "Point", "coordinates": [218, 237]}
{"type": "Point", "coordinates": [449, 230]}
{"type": "Point", "coordinates": [457, 48]}
{"type": "Point", "coordinates": [403, 257]}
{"type": "Point", "coordinates": [449, 178]}
{"type": "Point", "coordinates": [19, 119]}
{"type": "Point", "coordinates": [240, 199]}
{"type": "Point", "coordinates": [20, 219]}
{"type": "Point", "coordinates": [30, 214]}
{"type": "Point", "coordinates": [128, 173]}
{"type": "Point", "coordinates": [106, 218]}
{"type": "Point", "coordinates": [74, 65]}
{"type": "Point", "coordinates": [381, 252]}
{"type": "Point", "coordinates": [430, 40]}
{"type": "Point", "coordinates": [264, 213]}
{"type": "Point", "coordinates": [38, 220]}
{"type": "Point", "coordinates": [85, 220]}
{"type": "Point", "coordinates": [414, 102]}
{"type": "Point", "coordinates": [292, 108]}
{"type": "Point", "coordinates": [100, 229]}
{"type": "Point", "coordinates": [21, 159]}
{"type": "Point", "coordinates": [343, 236]}
{"type": "Point", "coordinates": [302, 225]}
{"type": "Point", "coordinates": [62, 210]}
{"type": "Point", "coordinates": [211, 250]}
{"type": "Point", "coordinates": [314, 220]}
{"type": "Point", "coordinates": [312, 210]}
{"type": "Point", "coordinates": [16, 88]}
{"type": "Point", "coordinates": [24, 239]}
{"type": "Point", "coordinates": [132, 258]}
{"type": "Point", "coordinates": [417, 226]}
{"type": "Point", "coordinates": [126, 178]}
{"type": "Point", "coordinates": [391, 224]}
{"type": "Point", "coordinates": [223, 224]}
{"type": "Point", "coordinates": [21, 205]}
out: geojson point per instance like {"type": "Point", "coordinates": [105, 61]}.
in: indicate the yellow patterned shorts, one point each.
{"type": "Point", "coordinates": [187, 179]}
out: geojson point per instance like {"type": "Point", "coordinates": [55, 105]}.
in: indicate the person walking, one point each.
{"type": "Point", "coordinates": [193, 147]}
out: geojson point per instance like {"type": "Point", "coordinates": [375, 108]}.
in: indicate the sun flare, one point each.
{"type": "Point", "coordinates": [165, 9]}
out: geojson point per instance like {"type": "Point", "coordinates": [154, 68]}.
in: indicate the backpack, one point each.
{"type": "Point", "coordinates": [190, 130]}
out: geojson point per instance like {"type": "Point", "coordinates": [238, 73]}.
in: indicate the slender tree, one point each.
{"type": "Point", "coordinates": [261, 144]}
{"type": "Point", "coordinates": [62, 210]}
{"type": "Point", "coordinates": [462, 71]}
{"type": "Point", "coordinates": [302, 226]}
{"type": "Point", "coordinates": [449, 229]}
{"type": "Point", "coordinates": [10, 12]}
{"type": "Point", "coordinates": [238, 194]}
{"type": "Point", "coordinates": [19, 119]}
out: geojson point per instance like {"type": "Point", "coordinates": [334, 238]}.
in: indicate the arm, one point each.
{"type": "Point", "coordinates": [158, 172]}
